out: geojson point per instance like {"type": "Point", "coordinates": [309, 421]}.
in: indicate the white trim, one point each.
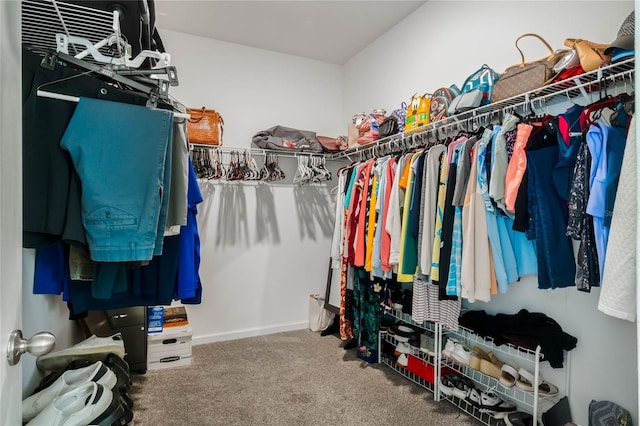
{"type": "Point", "coordinates": [248, 332]}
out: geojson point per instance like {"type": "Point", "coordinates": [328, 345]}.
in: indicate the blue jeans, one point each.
{"type": "Point", "coordinates": [120, 152]}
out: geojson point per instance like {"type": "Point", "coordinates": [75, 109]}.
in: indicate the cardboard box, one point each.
{"type": "Point", "coordinates": [171, 348]}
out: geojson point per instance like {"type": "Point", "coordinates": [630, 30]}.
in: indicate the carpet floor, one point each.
{"type": "Point", "coordinates": [292, 378]}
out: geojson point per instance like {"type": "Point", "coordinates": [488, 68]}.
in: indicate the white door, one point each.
{"type": "Point", "coordinates": [10, 207]}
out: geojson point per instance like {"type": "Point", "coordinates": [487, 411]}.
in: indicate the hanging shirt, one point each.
{"type": "Point", "coordinates": [455, 263]}
{"type": "Point", "coordinates": [501, 276]}
{"type": "Point", "coordinates": [338, 225]}
{"type": "Point", "coordinates": [371, 219]}
{"type": "Point", "coordinates": [363, 184]}
{"type": "Point", "coordinates": [353, 195]}
{"type": "Point", "coordinates": [188, 284]}
{"type": "Point", "coordinates": [604, 184]}
{"type": "Point", "coordinates": [618, 295]}
{"type": "Point", "coordinates": [570, 126]}
{"type": "Point", "coordinates": [475, 271]}
{"type": "Point", "coordinates": [499, 161]}
{"type": "Point", "coordinates": [385, 243]}
{"type": "Point", "coordinates": [407, 261]}
{"type": "Point", "coordinates": [376, 263]}
{"type": "Point", "coordinates": [394, 218]}
{"type": "Point", "coordinates": [517, 166]}
{"type": "Point", "coordinates": [437, 236]}
{"type": "Point", "coordinates": [464, 169]}
{"type": "Point", "coordinates": [430, 199]}
{"type": "Point", "coordinates": [580, 224]}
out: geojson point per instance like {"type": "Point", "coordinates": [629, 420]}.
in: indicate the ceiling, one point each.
{"type": "Point", "coordinates": [327, 30]}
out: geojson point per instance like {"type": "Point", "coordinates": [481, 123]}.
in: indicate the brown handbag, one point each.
{"type": "Point", "coordinates": [205, 126]}
{"type": "Point", "coordinates": [527, 76]}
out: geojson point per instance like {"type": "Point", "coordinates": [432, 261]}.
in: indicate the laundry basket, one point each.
{"type": "Point", "coordinates": [319, 318]}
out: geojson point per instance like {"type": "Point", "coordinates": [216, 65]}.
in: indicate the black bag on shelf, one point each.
{"type": "Point", "coordinates": [388, 127]}
{"type": "Point", "coordinates": [283, 138]}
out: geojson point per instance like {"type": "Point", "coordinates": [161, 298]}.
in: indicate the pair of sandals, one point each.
{"type": "Point", "coordinates": [523, 380]}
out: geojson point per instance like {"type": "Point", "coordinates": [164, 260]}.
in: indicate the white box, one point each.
{"type": "Point", "coordinates": [171, 348]}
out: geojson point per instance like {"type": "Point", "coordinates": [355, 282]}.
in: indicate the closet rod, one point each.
{"type": "Point", "coordinates": [258, 151]}
{"type": "Point", "coordinates": [60, 96]}
{"type": "Point", "coordinates": [570, 89]}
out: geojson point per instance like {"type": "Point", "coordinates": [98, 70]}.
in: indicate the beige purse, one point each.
{"type": "Point", "coordinates": [591, 54]}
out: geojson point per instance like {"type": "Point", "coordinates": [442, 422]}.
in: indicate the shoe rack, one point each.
{"type": "Point", "coordinates": [530, 402]}
{"type": "Point", "coordinates": [422, 356]}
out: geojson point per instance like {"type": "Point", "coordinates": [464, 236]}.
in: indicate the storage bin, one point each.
{"type": "Point", "coordinates": [171, 348]}
{"type": "Point", "coordinates": [425, 370]}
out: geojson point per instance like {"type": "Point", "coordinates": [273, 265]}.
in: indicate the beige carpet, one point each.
{"type": "Point", "coordinates": [293, 378]}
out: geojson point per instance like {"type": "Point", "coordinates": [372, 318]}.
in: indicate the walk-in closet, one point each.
{"type": "Point", "coordinates": [318, 212]}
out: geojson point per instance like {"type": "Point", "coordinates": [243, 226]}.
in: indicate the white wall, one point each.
{"type": "Point", "coordinates": [442, 43]}
{"type": "Point", "coordinates": [264, 247]}
{"type": "Point", "coordinates": [41, 313]}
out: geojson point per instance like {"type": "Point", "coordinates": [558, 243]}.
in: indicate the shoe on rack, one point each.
{"type": "Point", "coordinates": [518, 418]}
{"type": "Point", "coordinates": [449, 347]}
{"type": "Point", "coordinates": [402, 348]}
{"type": "Point", "coordinates": [89, 404]}
{"type": "Point", "coordinates": [403, 360]}
{"type": "Point", "coordinates": [492, 367]}
{"type": "Point", "coordinates": [526, 379]}
{"type": "Point", "coordinates": [460, 354]}
{"type": "Point", "coordinates": [463, 386]}
{"type": "Point", "coordinates": [509, 376]}
{"type": "Point", "coordinates": [93, 349]}
{"type": "Point", "coordinates": [489, 402]}
{"type": "Point", "coordinates": [476, 357]}
{"type": "Point", "coordinates": [427, 344]}
{"type": "Point", "coordinates": [448, 384]}
{"type": "Point", "coordinates": [67, 382]}
{"type": "Point", "coordinates": [547, 389]}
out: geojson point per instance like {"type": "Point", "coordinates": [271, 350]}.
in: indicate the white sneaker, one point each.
{"type": "Point", "coordinates": [461, 354]}
{"type": "Point", "coordinates": [449, 347]}
{"type": "Point", "coordinates": [93, 349]}
{"type": "Point", "coordinates": [403, 360]}
{"type": "Point", "coordinates": [68, 381]}
{"type": "Point", "coordinates": [81, 406]}
{"type": "Point", "coordinates": [402, 348]}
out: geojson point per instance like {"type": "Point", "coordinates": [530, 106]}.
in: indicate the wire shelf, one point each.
{"type": "Point", "coordinates": [514, 394]}
{"type": "Point", "coordinates": [474, 412]}
{"type": "Point", "coordinates": [594, 83]}
{"type": "Point", "coordinates": [426, 325]}
{"type": "Point", "coordinates": [416, 352]}
{"type": "Point", "coordinates": [386, 360]}
{"type": "Point", "coordinates": [470, 338]}
{"type": "Point", "coordinates": [257, 151]}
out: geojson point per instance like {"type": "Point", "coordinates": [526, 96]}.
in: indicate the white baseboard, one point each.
{"type": "Point", "coordinates": [248, 332]}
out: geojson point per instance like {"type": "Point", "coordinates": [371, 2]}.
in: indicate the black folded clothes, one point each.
{"type": "Point", "coordinates": [525, 329]}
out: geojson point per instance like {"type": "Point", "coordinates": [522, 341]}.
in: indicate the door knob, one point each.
{"type": "Point", "coordinates": [39, 344]}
